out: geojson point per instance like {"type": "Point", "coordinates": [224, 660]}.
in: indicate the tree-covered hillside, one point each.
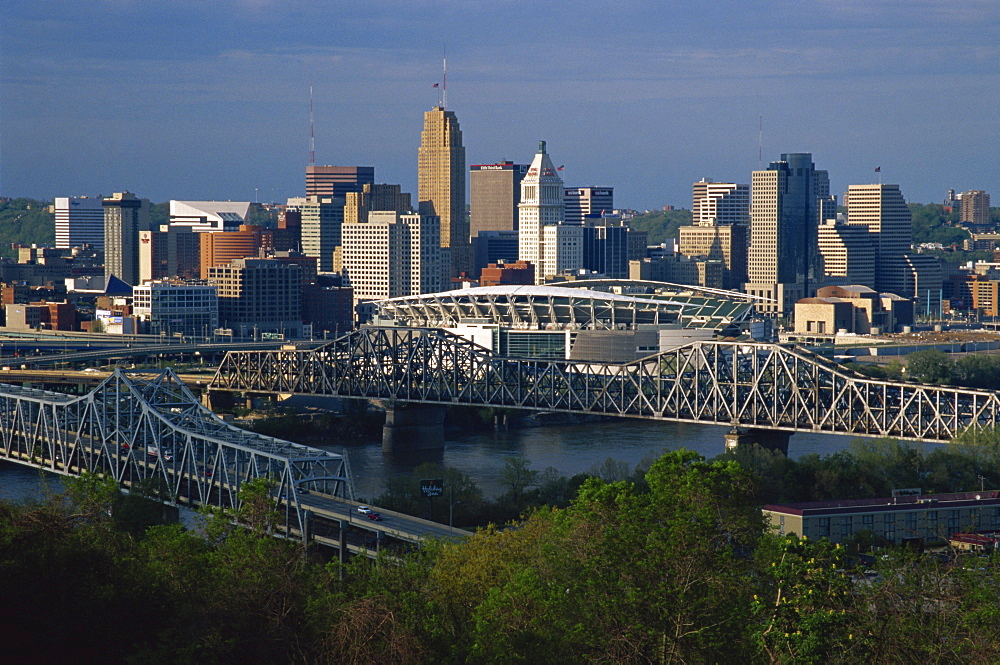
{"type": "Point", "coordinates": [661, 225]}
{"type": "Point", "coordinates": [25, 221]}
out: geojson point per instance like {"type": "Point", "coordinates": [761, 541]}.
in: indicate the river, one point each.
{"type": "Point", "coordinates": [570, 449]}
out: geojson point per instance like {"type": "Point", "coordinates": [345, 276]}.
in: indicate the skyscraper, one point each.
{"type": "Point", "coordinates": [392, 254]}
{"type": "Point", "coordinates": [883, 211]}
{"type": "Point", "coordinates": [541, 205]}
{"type": "Point", "coordinates": [125, 216]}
{"type": "Point", "coordinates": [719, 203]}
{"type": "Point", "coordinates": [441, 183]}
{"type": "Point", "coordinates": [322, 219]}
{"type": "Point", "coordinates": [375, 197]}
{"type": "Point", "coordinates": [787, 202]}
{"type": "Point", "coordinates": [79, 221]}
{"type": "Point", "coordinates": [336, 181]}
{"type": "Point", "coordinates": [496, 191]}
{"type": "Point", "coordinates": [580, 202]}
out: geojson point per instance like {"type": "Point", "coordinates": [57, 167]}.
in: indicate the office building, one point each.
{"type": "Point", "coordinates": [209, 216]}
{"type": "Point", "coordinates": [259, 297]}
{"type": "Point", "coordinates": [79, 221]}
{"type": "Point", "coordinates": [170, 252]}
{"type": "Point", "coordinates": [928, 519]}
{"type": "Point", "coordinates": [847, 253]}
{"type": "Point", "coordinates": [581, 202]}
{"type": "Point", "coordinates": [392, 254]}
{"type": "Point", "coordinates": [975, 208]}
{"type": "Point", "coordinates": [787, 202]}
{"type": "Point", "coordinates": [719, 242]}
{"type": "Point", "coordinates": [719, 203]}
{"type": "Point", "coordinates": [541, 205]}
{"type": "Point", "coordinates": [495, 193]}
{"type": "Point", "coordinates": [220, 249]}
{"type": "Point", "coordinates": [328, 306]}
{"type": "Point", "coordinates": [176, 309]}
{"type": "Point", "coordinates": [562, 250]}
{"type": "Point", "coordinates": [357, 205]}
{"type": "Point", "coordinates": [882, 210]}
{"type": "Point", "coordinates": [125, 216]}
{"type": "Point", "coordinates": [493, 246]}
{"type": "Point", "coordinates": [322, 218]}
{"type": "Point", "coordinates": [337, 181]}
{"type": "Point", "coordinates": [605, 249]}
{"type": "Point", "coordinates": [441, 184]}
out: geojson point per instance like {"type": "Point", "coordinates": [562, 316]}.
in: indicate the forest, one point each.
{"type": "Point", "coordinates": [677, 568]}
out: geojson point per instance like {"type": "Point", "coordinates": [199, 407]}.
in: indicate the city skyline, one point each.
{"type": "Point", "coordinates": [645, 98]}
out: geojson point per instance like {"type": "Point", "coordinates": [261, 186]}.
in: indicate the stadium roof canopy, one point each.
{"type": "Point", "coordinates": [566, 306]}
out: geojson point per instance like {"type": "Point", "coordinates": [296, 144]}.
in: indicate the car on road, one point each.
{"type": "Point", "coordinates": [364, 510]}
{"type": "Point", "coordinates": [374, 517]}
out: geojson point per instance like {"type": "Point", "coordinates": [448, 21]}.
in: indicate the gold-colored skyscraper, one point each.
{"type": "Point", "coordinates": [441, 183]}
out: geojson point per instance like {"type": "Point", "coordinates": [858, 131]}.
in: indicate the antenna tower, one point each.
{"type": "Point", "coordinates": [312, 134]}
{"type": "Point", "coordinates": [444, 83]}
{"type": "Point", "coordinates": [760, 141]}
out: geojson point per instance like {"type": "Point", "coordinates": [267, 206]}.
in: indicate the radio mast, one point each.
{"type": "Point", "coordinates": [312, 135]}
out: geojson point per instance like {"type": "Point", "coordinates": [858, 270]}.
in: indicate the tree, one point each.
{"type": "Point", "coordinates": [517, 476]}
{"type": "Point", "coordinates": [632, 576]}
{"type": "Point", "coordinates": [930, 366]}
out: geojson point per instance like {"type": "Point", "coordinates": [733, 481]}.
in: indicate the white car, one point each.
{"type": "Point", "coordinates": [364, 510]}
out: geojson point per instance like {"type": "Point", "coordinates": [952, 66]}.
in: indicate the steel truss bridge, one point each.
{"type": "Point", "coordinates": [747, 385]}
{"type": "Point", "coordinates": [132, 429]}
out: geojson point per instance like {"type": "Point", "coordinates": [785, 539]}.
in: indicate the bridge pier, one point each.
{"type": "Point", "coordinates": [411, 427]}
{"type": "Point", "coordinates": [217, 400]}
{"type": "Point", "coordinates": [772, 439]}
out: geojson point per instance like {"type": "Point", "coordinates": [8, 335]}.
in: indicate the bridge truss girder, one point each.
{"type": "Point", "coordinates": [125, 427]}
{"type": "Point", "coordinates": [770, 386]}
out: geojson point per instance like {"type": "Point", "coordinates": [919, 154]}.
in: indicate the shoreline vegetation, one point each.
{"type": "Point", "coordinates": [675, 567]}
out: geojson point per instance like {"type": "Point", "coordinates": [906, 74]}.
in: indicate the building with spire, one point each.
{"type": "Point", "coordinates": [541, 206]}
{"type": "Point", "coordinates": [441, 184]}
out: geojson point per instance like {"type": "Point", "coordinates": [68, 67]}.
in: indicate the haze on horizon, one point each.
{"type": "Point", "coordinates": [197, 101]}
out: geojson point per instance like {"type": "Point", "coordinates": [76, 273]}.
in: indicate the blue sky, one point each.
{"type": "Point", "coordinates": [189, 99]}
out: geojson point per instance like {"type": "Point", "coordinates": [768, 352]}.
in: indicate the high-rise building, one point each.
{"type": "Point", "coordinates": [541, 205]}
{"type": "Point", "coordinates": [722, 242]}
{"type": "Point", "coordinates": [882, 210]}
{"type": "Point", "coordinates": [125, 216]}
{"type": "Point", "coordinates": [580, 202]}
{"type": "Point", "coordinates": [392, 254]}
{"type": "Point", "coordinates": [221, 249]}
{"type": "Point", "coordinates": [441, 184]}
{"type": "Point", "coordinates": [788, 201]}
{"type": "Point", "coordinates": [259, 296]}
{"type": "Point", "coordinates": [493, 246]}
{"type": "Point", "coordinates": [209, 216]}
{"type": "Point", "coordinates": [605, 249]}
{"type": "Point", "coordinates": [170, 252]}
{"type": "Point", "coordinates": [719, 203]}
{"type": "Point", "coordinates": [847, 252]}
{"type": "Point", "coordinates": [975, 208]}
{"type": "Point", "coordinates": [357, 205]}
{"type": "Point", "coordinates": [562, 249]}
{"type": "Point", "coordinates": [322, 219]}
{"type": "Point", "coordinates": [79, 221]}
{"type": "Point", "coordinates": [337, 181]}
{"type": "Point", "coordinates": [495, 191]}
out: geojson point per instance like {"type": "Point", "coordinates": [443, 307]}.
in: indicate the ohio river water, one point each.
{"type": "Point", "coordinates": [570, 449]}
